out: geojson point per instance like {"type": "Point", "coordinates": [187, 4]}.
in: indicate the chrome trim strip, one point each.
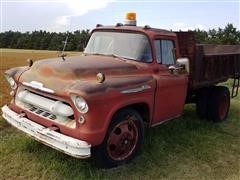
{"type": "Point", "coordinates": [134, 90]}
{"type": "Point", "coordinates": [38, 85]}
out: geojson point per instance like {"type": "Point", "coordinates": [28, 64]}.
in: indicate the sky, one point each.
{"type": "Point", "coordinates": [71, 15]}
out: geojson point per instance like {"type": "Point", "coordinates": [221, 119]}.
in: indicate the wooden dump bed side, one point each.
{"type": "Point", "coordinates": [209, 63]}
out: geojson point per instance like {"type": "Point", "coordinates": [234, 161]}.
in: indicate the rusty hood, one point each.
{"type": "Point", "coordinates": [59, 75]}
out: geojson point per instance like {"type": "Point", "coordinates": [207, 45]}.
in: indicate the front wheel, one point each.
{"type": "Point", "coordinates": [122, 141]}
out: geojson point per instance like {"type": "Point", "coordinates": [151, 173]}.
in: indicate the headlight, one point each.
{"type": "Point", "coordinates": [11, 81]}
{"type": "Point", "coordinates": [81, 104]}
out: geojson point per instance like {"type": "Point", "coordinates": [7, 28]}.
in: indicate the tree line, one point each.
{"type": "Point", "coordinates": [77, 40]}
{"type": "Point", "coordinates": [44, 40]}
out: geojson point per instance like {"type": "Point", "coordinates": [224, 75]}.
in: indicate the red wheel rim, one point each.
{"type": "Point", "coordinates": [223, 108]}
{"type": "Point", "coordinates": [122, 140]}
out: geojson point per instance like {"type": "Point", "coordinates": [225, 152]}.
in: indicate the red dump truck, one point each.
{"type": "Point", "coordinates": [97, 104]}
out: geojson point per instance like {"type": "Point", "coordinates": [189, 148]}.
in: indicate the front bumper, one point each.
{"type": "Point", "coordinates": [66, 144]}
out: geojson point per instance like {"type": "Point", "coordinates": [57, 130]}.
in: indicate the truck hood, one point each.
{"type": "Point", "coordinates": [57, 74]}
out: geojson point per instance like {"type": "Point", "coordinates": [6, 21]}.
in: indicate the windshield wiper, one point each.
{"type": "Point", "coordinates": [112, 55]}
{"type": "Point", "coordinates": [92, 54]}
{"type": "Point", "coordinates": [116, 56]}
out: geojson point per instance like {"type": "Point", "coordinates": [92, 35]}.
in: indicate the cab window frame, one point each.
{"type": "Point", "coordinates": [149, 39]}
{"type": "Point", "coordinates": [159, 41]}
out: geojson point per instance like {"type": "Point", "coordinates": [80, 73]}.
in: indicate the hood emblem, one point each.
{"type": "Point", "coordinates": [100, 77]}
{"type": "Point", "coordinates": [38, 85]}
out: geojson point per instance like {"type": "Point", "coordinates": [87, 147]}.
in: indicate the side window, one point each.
{"type": "Point", "coordinates": [158, 50]}
{"type": "Point", "coordinates": [167, 52]}
{"type": "Point", "coordinates": [164, 51]}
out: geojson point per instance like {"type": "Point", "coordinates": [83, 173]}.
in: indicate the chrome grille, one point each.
{"type": "Point", "coordinates": [39, 105]}
{"type": "Point", "coordinates": [41, 112]}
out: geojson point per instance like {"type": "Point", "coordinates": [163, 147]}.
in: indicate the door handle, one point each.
{"type": "Point", "coordinates": [174, 69]}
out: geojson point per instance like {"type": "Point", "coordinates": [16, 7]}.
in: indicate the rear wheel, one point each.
{"type": "Point", "coordinates": [123, 140]}
{"type": "Point", "coordinates": [219, 103]}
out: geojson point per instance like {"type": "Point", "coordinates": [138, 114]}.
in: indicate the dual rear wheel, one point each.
{"type": "Point", "coordinates": [213, 103]}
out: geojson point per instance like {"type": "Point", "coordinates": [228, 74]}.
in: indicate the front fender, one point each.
{"type": "Point", "coordinates": [105, 102]}
{"type": "Point", "coordinates": [16, 72]}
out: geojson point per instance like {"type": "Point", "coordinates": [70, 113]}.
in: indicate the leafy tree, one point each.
{"type": "Point", "coordinates": [228, 35]}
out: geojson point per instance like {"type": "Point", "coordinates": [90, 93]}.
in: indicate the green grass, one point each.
{"type": "Point", "coordinates": [186, 148]}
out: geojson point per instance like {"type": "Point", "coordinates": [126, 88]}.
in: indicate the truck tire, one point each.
{"type": "Point", "coordinates": [202, 102]}
{"type": "Point", "coordinates": [122, 141]}
{"type": "Point", "coordinates": [219, 103]}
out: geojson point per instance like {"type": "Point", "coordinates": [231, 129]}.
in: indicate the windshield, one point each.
{"type": "Point", "coordinates": [126, 45]}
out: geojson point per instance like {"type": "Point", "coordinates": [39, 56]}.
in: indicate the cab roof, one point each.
{"type": "Point", "coordinates": [145, 29]}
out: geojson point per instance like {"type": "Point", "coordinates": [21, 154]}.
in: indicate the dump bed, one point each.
{"type": "Point", "coordinates": [209, 63]}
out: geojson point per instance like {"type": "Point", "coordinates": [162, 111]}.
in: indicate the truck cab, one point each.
{"type": "Point", "coordinates": [154, 52]}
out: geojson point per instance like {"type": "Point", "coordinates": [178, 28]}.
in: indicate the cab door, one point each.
{"type": "Point", "coordinates": [171, 88]}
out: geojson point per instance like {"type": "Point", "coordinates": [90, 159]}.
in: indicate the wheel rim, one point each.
{"type": "Point", "coordinates": [223, 108]}
{"type": "Point", "coordinates": [122, 140]}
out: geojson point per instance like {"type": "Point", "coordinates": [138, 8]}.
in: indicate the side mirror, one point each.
{"type": "Point", "coordinates": [184, 62]}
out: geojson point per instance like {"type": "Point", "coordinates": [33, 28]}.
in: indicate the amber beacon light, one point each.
{"type": "Point", "coordinates": [130, 19]}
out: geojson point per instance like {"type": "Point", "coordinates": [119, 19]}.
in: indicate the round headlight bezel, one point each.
{"type": "Point", "coordinates": [81, 104]}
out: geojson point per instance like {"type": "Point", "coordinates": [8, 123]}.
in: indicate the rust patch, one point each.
{"type": "Point", "coordinates": [47, 71]}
